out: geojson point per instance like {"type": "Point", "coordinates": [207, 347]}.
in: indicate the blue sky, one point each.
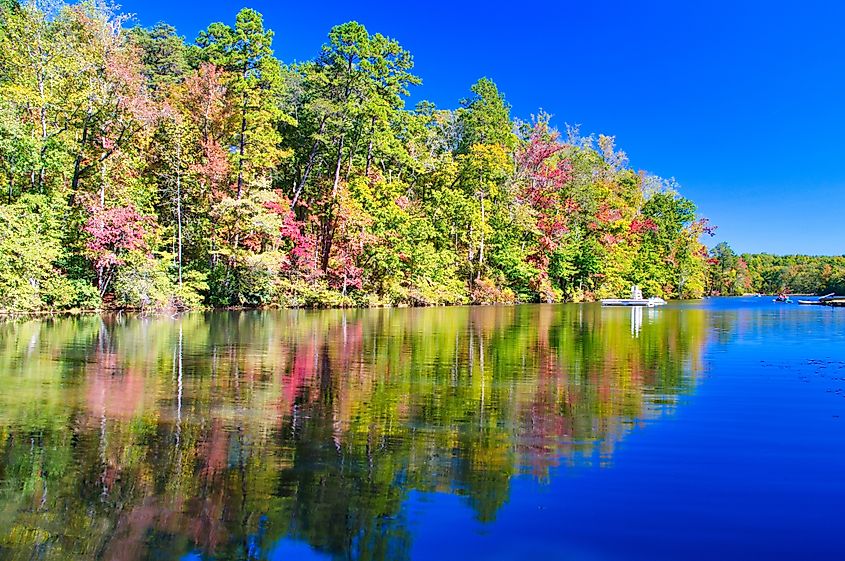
{"type": "Point", "coordinates": [741, 102]}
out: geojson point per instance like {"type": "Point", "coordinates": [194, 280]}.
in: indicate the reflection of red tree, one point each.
{"type": "Point", "coordinates": [554, 425]}
{"type": "Point", "coordinates": [332, 354]}
{"type": "Point", "coordinates": [207, 520]}
{"type": "Point", "coordinates": [207, 524]}
{"type": "Point", "coordinates": [214, 450]}
{"type": "Point", "coordinates": [300, 375]}
{"type": "Point", "coordinates": [112, 391]}
{"type": "Point", "coordinates": [130, 532]}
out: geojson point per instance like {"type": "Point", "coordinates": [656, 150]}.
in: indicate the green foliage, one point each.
{"type": "Point", "coordinates": [164, 56]}
{"type": "Point", "coordinates": [61, 293]}
{"type": "Point", "coordinates": [484, 118]}
{"type": "Point", "coordinates": [670, 262]}
{"type": "Point", "coordinates": [30, 249]}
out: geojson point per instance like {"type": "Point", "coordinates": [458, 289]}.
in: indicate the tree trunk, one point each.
{"type": "Point", "coordinates": [103, 185]}
{"type": "Point", "coordinates": [77, 164]}
{"type": "Point", "coordinates": [470, 247]}
{"type": "Point", "coordinates": [370, 147]}
{"type": "Point", "coordinates": [328, 230]}
{"type": "Point", "coordinates": [43, 119]}
{"type": "Point", "coordinates": [337, 169]}
{"type": "Point", "coordinates": [242, 149]}
{"type": "Point", "coordinates": [351, 154]}
{"type": "Point", "coordinates": [481, 245]}
{"type": "Point", "coordinates": [179, 205]}
{"type": "Point", "coordinates": [330, 222]}
{"type": "Point", "coordinates": [309, 165]}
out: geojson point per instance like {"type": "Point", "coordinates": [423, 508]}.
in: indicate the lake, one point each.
{"type": "Point", "coordinates": [701, 430]}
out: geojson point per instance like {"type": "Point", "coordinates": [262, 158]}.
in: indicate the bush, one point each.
{"type": "Point", "coordinates": [29, 249]}
{"type": "Point", "coordinates": [61, 293]}
{"type": "Point", "coordinates": [148, 283]}
{"type": "Point", "coordinates": [250, 282]}
{"type": "Point", "coordinates": [299, 293]}
{"type": "Point", "coordinates": [485, 291]}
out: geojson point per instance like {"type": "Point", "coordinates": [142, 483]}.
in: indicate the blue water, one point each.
{"type": "Point", "coordinates": [749, 466]}
{"type": "Point", "coordinates": [709, 429]}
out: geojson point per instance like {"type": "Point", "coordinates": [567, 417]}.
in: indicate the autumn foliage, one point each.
{"type": "Point", "coordinates": [212, 173]}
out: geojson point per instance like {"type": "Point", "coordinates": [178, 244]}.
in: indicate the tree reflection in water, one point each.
{"type": "Point", "coordinates": [136, 438]}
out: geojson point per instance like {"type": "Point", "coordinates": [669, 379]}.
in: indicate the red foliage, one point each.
{"type": "Point", "coordinates": [349, 243]}
{"type": "Point", "coordinates": [214, 167]}
{"type": "Point", "coordinates": [123, 72]}
{"type": "Point", "coordinates": [571, 206]}
{"type": "Point", "coordinates": [610, 240]}
{"type": "Point", "coordinates": [541, 146]}
{"type": "Point", "coordinates": [113, 232]}
{"type": "Point", "coordinates": [343, 268]}
{"type": "Point", "coordinates": [608, 214]}
{"type": "Point", "coordinates": [703, 225]}
{"type": "Point", "coordinates": [205, 100]}
{"type": "Point", "coordinates": [545, 178]}
{"type": "Point", "coordinates": [640, 226]}
{"type": "Point", "coordinates": [302, 255]}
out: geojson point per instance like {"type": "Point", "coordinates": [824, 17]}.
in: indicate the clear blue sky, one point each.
{"type": "Point", "coordinates": [742, 102]}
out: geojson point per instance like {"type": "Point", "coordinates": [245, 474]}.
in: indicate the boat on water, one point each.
{"type": "Point", "coordinates": [647, 302]}
{"type": "Point", "coordinates": [782, 300]}
{"type": "Point", "coordinates": [636, 299]}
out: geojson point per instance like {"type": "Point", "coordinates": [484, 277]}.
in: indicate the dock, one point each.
{"type": "Point", "coordinates": [827, 300]}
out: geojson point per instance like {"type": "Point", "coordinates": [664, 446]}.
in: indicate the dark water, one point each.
{"type": "Point", "coordinates": [701, 430]}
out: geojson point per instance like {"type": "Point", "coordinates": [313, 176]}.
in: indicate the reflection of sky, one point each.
{"type": "Point", "coordinates": [288, 550]}
{"type": "Point", "coordinates": [749, 466]}
{"type": "Point", "coordinates": [283, 550]}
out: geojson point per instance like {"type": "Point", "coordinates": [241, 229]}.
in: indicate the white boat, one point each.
{"type": "Point", "coordinates": [636, 299]}
{"type": "Point", "coordinates": [647, 302]}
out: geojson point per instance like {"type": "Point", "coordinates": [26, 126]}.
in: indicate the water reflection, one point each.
{"type": "Point", "coordinates": [219, 434]}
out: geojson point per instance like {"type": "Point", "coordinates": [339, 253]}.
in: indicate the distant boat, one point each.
{"type": "Point", "coordinates": [783, 300]}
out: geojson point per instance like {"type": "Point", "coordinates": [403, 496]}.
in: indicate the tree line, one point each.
{"type": "Point", "coordinates": [732, 274]}
{"type": "Point", "coordinates": [145, 171]}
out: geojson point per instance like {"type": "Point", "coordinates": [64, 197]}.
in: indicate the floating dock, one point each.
{"type": "Point", "coordinates": [827, 300]}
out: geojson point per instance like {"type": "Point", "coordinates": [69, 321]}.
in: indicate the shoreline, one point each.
{"type": "Point", "coordinates": [7, 315]}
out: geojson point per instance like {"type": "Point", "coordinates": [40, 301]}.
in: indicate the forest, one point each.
{"type": "Point", "coordinates": [143, 171]}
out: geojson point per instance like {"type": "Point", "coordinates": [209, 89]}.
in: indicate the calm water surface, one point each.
{"type": "Point", "coordinates": [701, 430]}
